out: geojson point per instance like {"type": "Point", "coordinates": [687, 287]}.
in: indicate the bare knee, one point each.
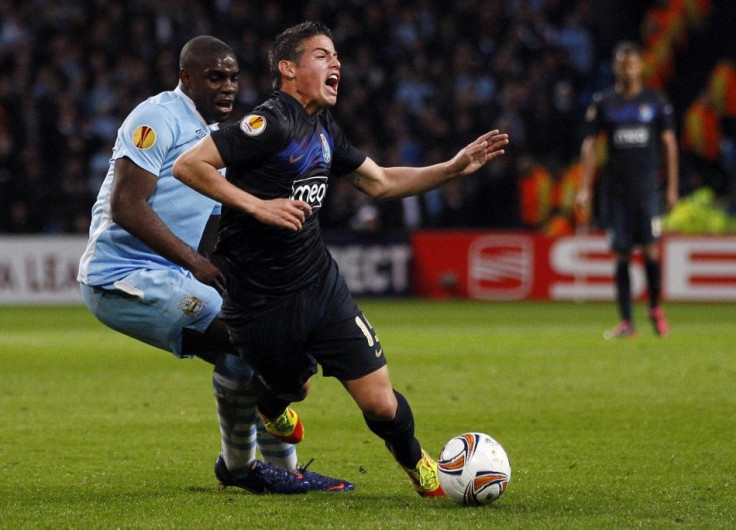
{"type": "Point", "coordinates": [374, 395]}
{"type": "Point", "coordinates": [380, 408]}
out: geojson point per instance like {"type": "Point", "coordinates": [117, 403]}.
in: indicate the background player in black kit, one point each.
{"type": "Point", "coordinates": [287, 306]}
{"type": "Point", "coordinates": [639, 128]}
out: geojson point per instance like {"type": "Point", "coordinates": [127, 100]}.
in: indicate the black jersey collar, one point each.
{"type": "Point", "coordinates": [291, 101]}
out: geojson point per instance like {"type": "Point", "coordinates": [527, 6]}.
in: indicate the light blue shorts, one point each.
{"type": "Point", "coordinates": [155, 306]}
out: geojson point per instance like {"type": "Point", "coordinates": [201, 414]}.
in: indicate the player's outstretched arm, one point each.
{"type": "Point", "coordinates": [198, 167]}
{"type": "Point", "coordinates": [477, 154]}
{"type": "Point", "coordinates": [387, 183]}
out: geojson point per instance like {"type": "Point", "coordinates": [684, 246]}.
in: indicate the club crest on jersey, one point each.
{"type": "Point", "coordinates": [311, 190]}
{"type": "Point", "coordinates": [253, 124]}
{"type": "Point", "coordinates": [646, 113]}
{"type": "Point", "coordinates": [326, 152]}
{"type": "Point", "coordinates": [144, 137]}
{"type": "Point", "coordinates": [191, 306]}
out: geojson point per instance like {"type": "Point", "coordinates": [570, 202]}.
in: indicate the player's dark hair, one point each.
{"type": "Point", "coordinates": [200, 50]}
{"type": "Point", "coordinates": [289, 46]}
{"type": "Point", "coordinates": [625, 48]}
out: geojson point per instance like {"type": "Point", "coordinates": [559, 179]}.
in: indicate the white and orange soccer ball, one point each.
{"type": "Point", "coordinates": [473, 469]}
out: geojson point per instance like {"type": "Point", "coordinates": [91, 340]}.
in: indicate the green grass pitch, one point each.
{"type": "Point", "coordinates": [99, 431]}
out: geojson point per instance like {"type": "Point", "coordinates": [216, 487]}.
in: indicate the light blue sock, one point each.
{"type": "Point", "coordinates": [240, 426]}
{"type": "Point", "coordinates": [276, 452]}
{"type": "Point", "coordinates": [236, 411]}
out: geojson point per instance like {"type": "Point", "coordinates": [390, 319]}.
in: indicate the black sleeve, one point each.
{"type": "Point", "coordinates": [668, 113]}
{"type": "Point", "coordinates": [346, 158]}
{"type": "Point", "coordinates": [592, 123]}
{"type": "Point", "coordinates": [251, 140]}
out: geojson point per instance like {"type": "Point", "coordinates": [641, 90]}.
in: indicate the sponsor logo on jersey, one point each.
{"type": "Point", "coordinates": [326, 152]}
{"type": "Point", "coordinates": [311, 190]}
{"type": "Point", "coordinates": [144, 137]}
{"type": "Point", "coordinates": [191, 306]}
{"type": "Point", "coordinates": [253, 124]}
{"type": "Point", "coordinates": [295, 159]}
{"type": "Point", "coordinates": [631, 136]}
{"type": "Point", "coordinates": [200, 133]}
{"type": "Point", "coordinates": [646, 113]}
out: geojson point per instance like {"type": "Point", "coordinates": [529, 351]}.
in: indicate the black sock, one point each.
{"type": "Point", "coordinates": [267, 402]}
{"type": "Point", "coordinates": [623, 289]}
{"type": "Point", "coordinates": [399, 434]}
{"type": "Point", "coordinates": [654, 279]}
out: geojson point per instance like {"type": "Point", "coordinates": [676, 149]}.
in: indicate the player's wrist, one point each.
{"type": "Point", "coordinates": [195, 261]}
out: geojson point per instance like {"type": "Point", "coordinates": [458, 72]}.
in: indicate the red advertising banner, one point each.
{"type": "Point", "coordinates": [524, 266]}
{"type": "Point", "coordinates": [465, 264]}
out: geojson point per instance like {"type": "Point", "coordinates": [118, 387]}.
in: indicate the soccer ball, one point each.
{"type": "Point", "coordinates": [473, 469]}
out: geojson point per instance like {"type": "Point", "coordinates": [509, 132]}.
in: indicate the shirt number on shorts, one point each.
{"type": "Point", "coordinates": [366, 328]}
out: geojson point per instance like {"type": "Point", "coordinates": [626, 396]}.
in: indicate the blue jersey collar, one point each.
{"type": "Point", "coordinates": [189, 103]}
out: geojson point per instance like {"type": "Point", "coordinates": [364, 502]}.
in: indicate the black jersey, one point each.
{"type": "Point", "coordinates": [278, 151]}
{"type": "Point", "coordinates": [633, 129]}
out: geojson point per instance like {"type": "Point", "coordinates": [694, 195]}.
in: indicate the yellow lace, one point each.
{"type": "Point", "coordinates": [285, 423]}
{"type": "Point", "coordinates": [425, 474]}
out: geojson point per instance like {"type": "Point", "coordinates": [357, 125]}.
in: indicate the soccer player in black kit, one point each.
{"type": "Point", "coordinates": [639, 128]}
{"type": "Point", "coordinates": [287, 306]}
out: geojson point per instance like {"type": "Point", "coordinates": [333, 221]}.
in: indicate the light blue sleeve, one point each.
{"type": "Point", "coordinates": [146, 136]}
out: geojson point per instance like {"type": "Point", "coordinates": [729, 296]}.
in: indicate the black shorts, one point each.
{"type": "Point", "coordinates": [288, 337]}
{"type": "Point", "coordinates": [634, 221]}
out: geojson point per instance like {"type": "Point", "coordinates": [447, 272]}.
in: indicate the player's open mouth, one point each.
{"type": "Point", "coordinates": [225, 105]}
{"type": "Point", "coordinates": [332, 81]}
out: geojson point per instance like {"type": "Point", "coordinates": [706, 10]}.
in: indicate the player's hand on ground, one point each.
{"type": "Point", "coordinates": [285, 213]}
{"type": "Point", "coordinates": [479, 152]}
{"type": "Point", "coordinates": [207, 273]}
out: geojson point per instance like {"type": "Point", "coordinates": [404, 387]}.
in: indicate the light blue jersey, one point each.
{"type": "Point", "coordinates": [125, 284]}
{"type": "Point", "coordinates": [153, 136]}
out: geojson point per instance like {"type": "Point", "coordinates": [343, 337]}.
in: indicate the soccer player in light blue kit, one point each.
{"type": "Point", "coordinates": [143, 276]}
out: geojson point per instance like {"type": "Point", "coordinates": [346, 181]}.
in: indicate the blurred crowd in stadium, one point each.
{"type": "Point", "coordinates": [420, 78]}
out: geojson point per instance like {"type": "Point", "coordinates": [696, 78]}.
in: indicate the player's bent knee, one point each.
{"type": "Point", "coordinates": [380, 407]}
{"type": "Point", "coordinates": [374, 395]}
{"type": "Point", "coordinates": [380, 414]}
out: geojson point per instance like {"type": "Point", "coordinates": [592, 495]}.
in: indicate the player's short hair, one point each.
{"type": "Point", "coordinates": [200, 50]}
{"type": "Point", "coordinates": [288, 46]}
{"type": "Point", "coordinates": [626, 47]}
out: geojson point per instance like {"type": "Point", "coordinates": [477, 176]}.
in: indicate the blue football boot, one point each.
{"type": "Point", "coordinates": [261, 478]}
